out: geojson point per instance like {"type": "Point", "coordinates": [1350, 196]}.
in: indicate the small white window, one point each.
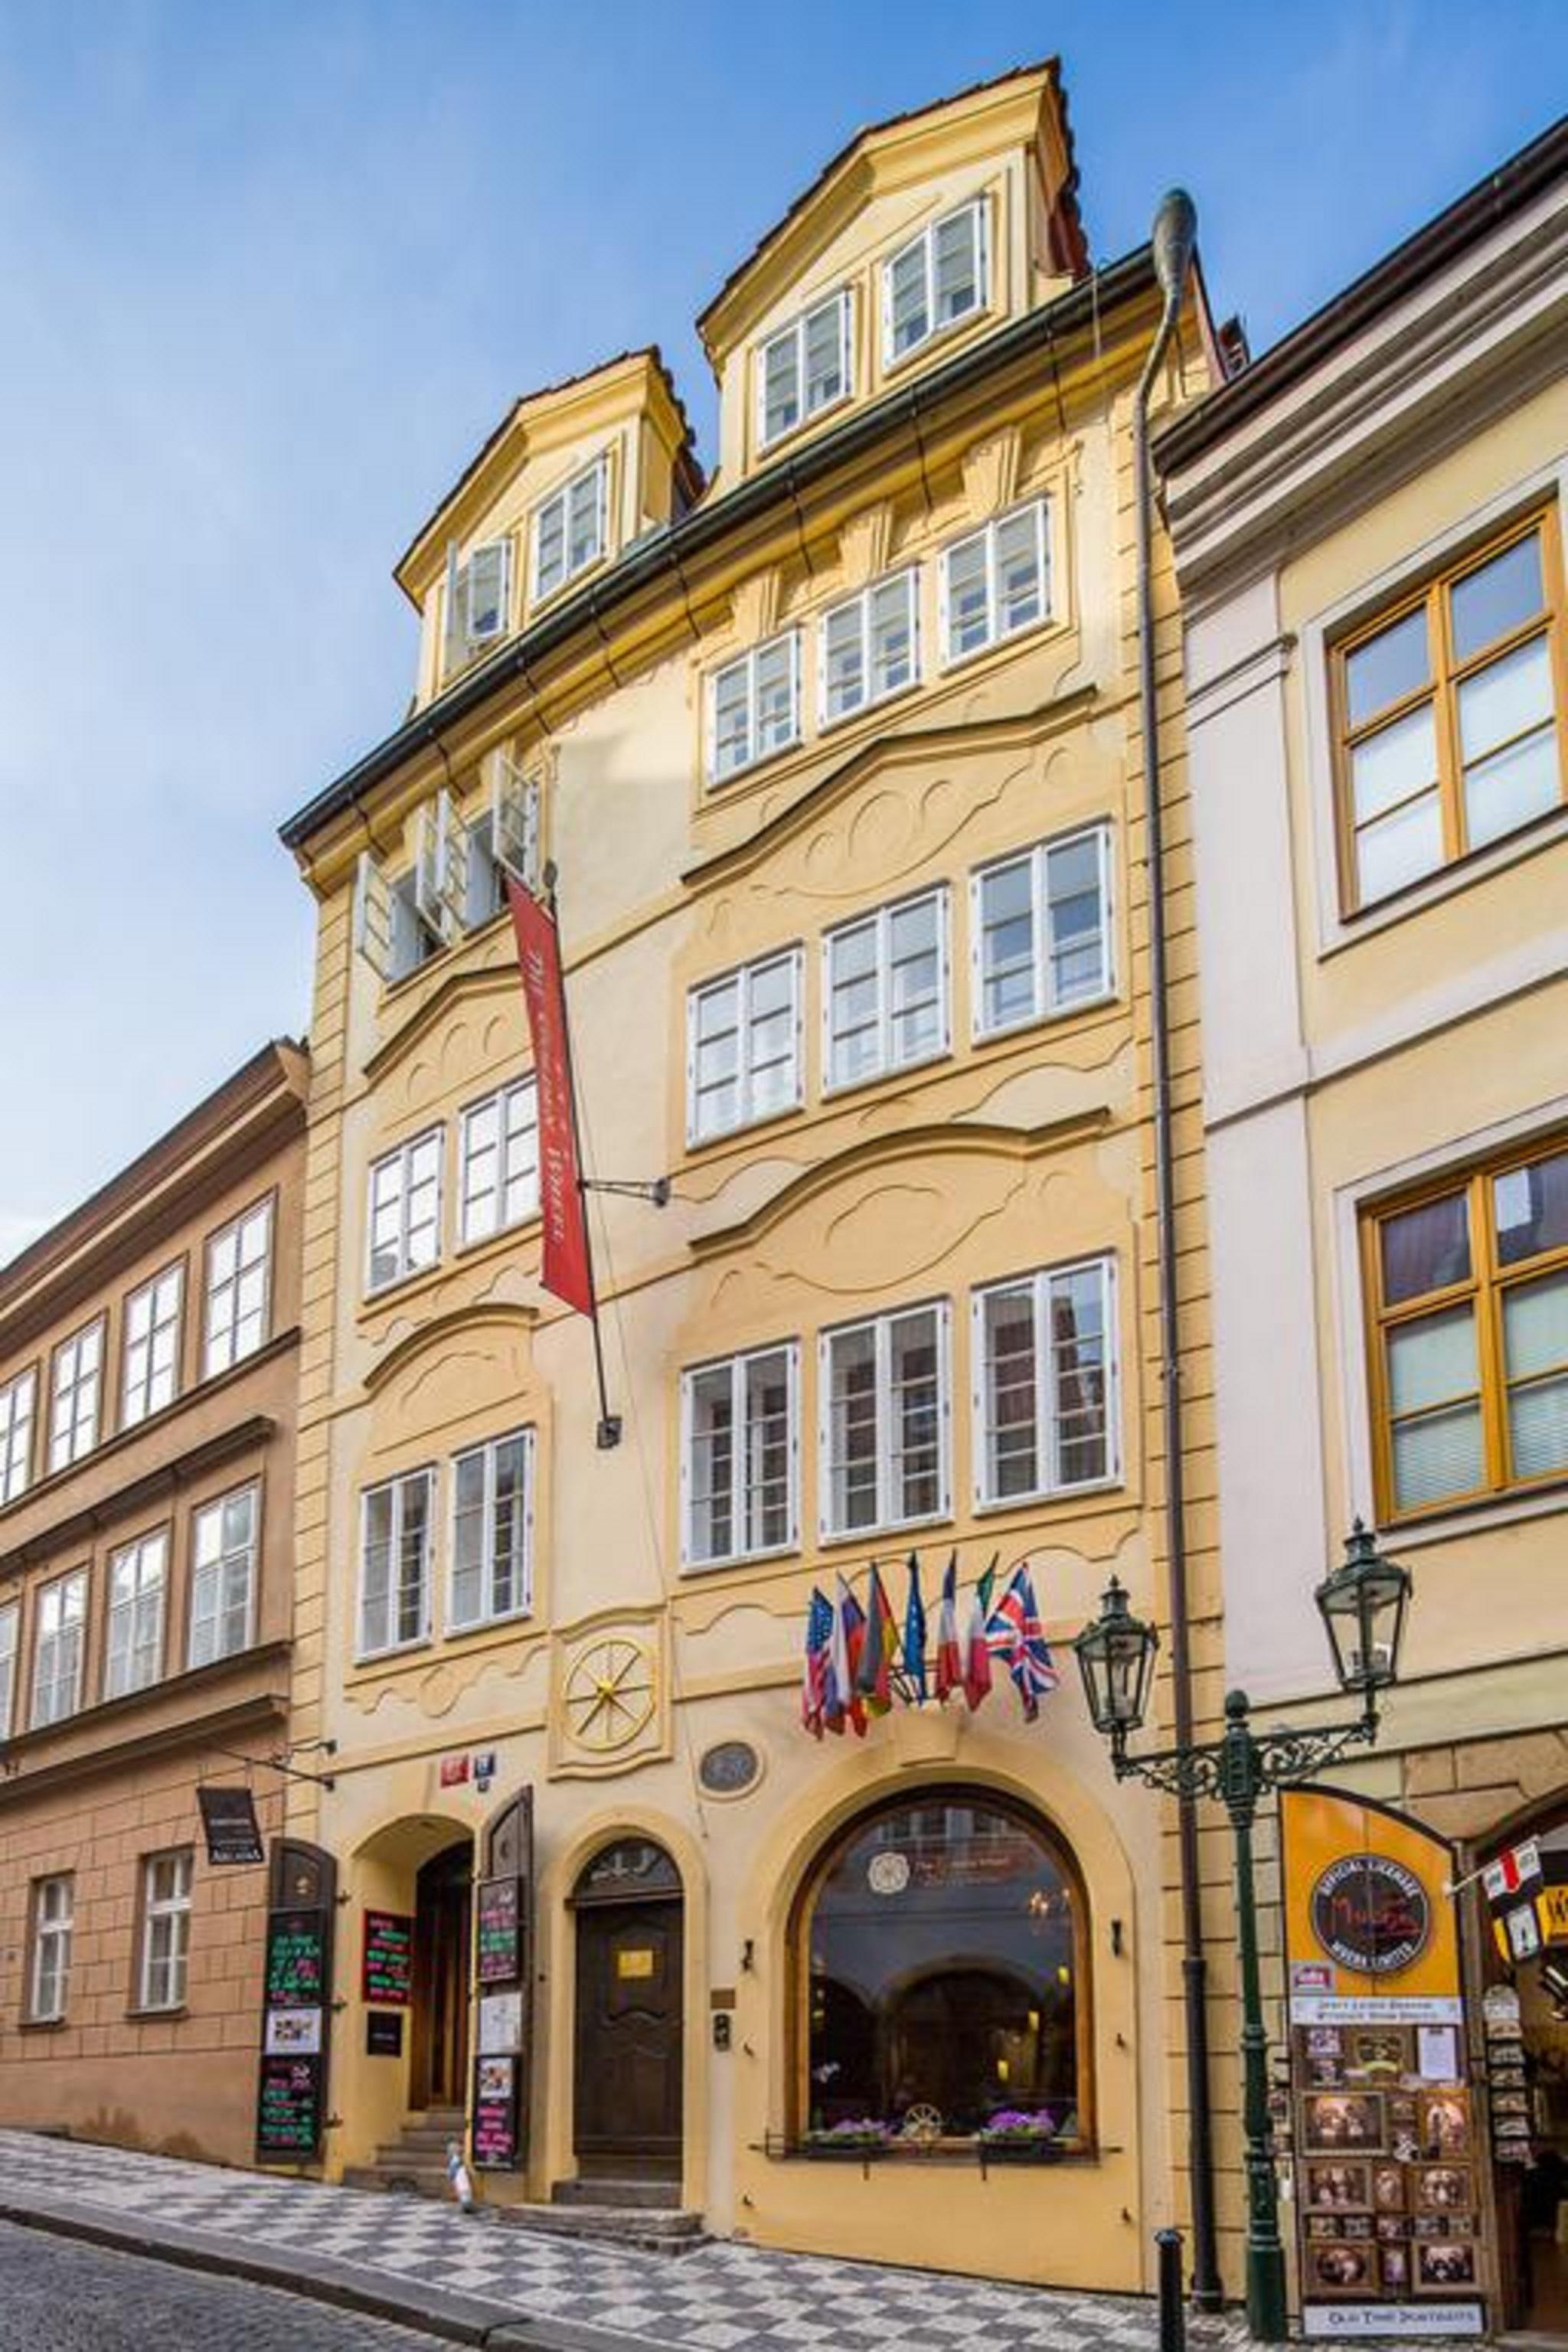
{"type": "Point", "coordinates": [884, 990]}
{"type": "Point", "coordinates": [239, 1289]}
{"type": "Point", "coordinates": [53, 1903]}
{"type": "Point", "coordinates": [492, 1528]}
{"type": "Point", "coordinates": [1041, 933]}
{"type": "Point", "coordinates": [405, 1210]}
{"type": "Point", "coordinates": [152, 1346]}
{"type": "Point", "coordinates": [77, 1383]}
{"type": "Point", "coordinates": [1044, 1380]}
{"type": "Point", "coordinates": [886, 1415]}
{"type": "Point", "coordinates": [742, 1054]}
{"type": "Point", "coordinates": [869, 647]}
{"type": "Point", "coordinates": [500, 1161]}
{"type": "Point", "coordinates": [805, 369]}
{"type": "Point", "coordinates": [504, 837]}
{"type": "Point", "coordinates": [223, 1576]}
{"type": "Point", "coordinates": [58, 1649]}
{"type": "Point", "coordinates": [753, 706]}
{"type": "Point", "coordinates": [395, 1563]}
{"type": "Point", "coordinates": [571, 530]}
{"type": "Point", "coordinates": [740, 1456]}
{"type": "Point", "coordinates": [478, 599]}
{"type": "Point", "coordinates": [18, 1400]}
{"type": "Point", "coordinates": [165, 1929]}
{"type": "Point", "coordinates": [996, 582]}
{"type": "Point", "coordinates": [133, 1651]}
{"type": "Point", "coordinates": [10, 1638]}
{"type": "Point", "coordinates": [935, 281]}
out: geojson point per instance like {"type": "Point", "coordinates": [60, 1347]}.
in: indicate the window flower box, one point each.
{"type": "Point", "coordinates": [1013, 2137]}
{"type": "Point", "coordinates": [855, 2141]}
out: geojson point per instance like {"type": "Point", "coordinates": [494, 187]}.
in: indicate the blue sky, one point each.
{"type": "Point", "coordinates": [273, 272]}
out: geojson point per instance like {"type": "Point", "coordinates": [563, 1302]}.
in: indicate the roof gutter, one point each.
{"type": "Point", "coordinates": [778, 487]}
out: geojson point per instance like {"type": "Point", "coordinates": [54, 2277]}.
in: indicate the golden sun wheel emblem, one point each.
{"type": "Point", "coordinates": [609, 1692]}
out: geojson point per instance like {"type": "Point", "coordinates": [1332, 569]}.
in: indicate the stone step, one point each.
{"type": "Point", "coordinates": [416, 2161]}
{"type": "Point", "coordinates": [649, 2231]}
{"type": "Point", "coordinates": [427, 2135]}
{"type": "Point", "coordinates": [619, 2195]}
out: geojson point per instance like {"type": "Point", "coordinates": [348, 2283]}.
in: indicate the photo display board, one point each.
{"type": "Point", "coordinates": [1388, 2191]}
{"type": "Point", "coordinates": [295, 1998]}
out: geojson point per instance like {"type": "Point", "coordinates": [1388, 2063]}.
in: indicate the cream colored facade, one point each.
{"type": "Point", "coordinates": [595, 708]}
{"type": "Point", "coordinates": [1356, 1054]}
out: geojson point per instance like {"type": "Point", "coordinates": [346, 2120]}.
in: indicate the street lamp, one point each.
{"type": "Point", "coordinates": [1362, 1603]}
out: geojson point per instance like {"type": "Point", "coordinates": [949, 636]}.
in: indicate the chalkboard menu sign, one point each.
{"type": "Point", "coordinates": [499, 1930]}
{"type": "Point", "coordinates": [388, 1975]}
{"type": "Point", "coordinates": [296, 1960]}
{"type": "Point", "coordinates": [383, 2033]}
{"type": "Point", "coordinates": [495, 2115]}
{"type": "Point", "coordinates": [289, 2112]}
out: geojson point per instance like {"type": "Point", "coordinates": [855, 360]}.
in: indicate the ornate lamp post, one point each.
{"type": "Point", "coordinates": [1362, 1605]}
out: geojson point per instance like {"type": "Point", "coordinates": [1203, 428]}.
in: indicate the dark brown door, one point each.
{"type": "Point", "coordinates": [627, 2091]}
{"type": "Point", "coordinates": [439, 2052]}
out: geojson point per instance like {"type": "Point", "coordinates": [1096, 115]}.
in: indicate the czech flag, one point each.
{"type": "Point", "coordinates": [848, 1640]}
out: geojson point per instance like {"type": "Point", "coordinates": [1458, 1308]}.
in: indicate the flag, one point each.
{"type": "Point", "coordinates": [949, 1658]}
{"type": "Point", "coordinates": [976, 1650]}
{"type": "Point", "coordinates": [1018, 1637]}
{"type": "Point", "coordinates": [849, 1642]}
{"type": "Point", "coordinates": [813, 1680]}
{"type": "Point", "coordinates": [915, 1633]}
{"type": "Point", "coordinates": [565, 1270]}
{"type": "Point", "coordinates": [873, 1678]}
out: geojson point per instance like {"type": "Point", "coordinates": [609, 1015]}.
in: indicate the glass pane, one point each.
{"type": "Point", "coordinates": [775, 696]}
{"type": "Point", "coordinates": [1440, 1455]}
{"type": "Point", "coordinates": [1078, 1349]}
{"type": "Point", "coordinates": [852, 1429]}
{"type": "Point", "coordinates": [1425, 1248]}
{"type": "Point", "coordinates": [916, 1406]}
{"type": "Point", "coordinates": [1532, 1209]}
{"type": "Point", "coordinates": [1507, 698]}
{"type": "Point", "coordinates": [957, 265]}
{"type": "Point", "coordinates": [823, 355]}
{"type": "Point", "coordinates": [1432, 1361]}
{"type": "Point", "coordinates": [1497, 597]}
{"type": "Point", "coordinates": [909, 296]}
{"type": "Point", "coordinates": [968, 597]}
{"type": "Point", "coordinates": [1078, 955]}
{"type": "Point", "coordinates": [1511, 788]}
{"type": "Point", "coordinates": [1538, 1428]}
{"type": "Point", "coordinates": [1400, 848]}
{"type": "Point", "coordinates": [846, 663]}
{"type": "Point", "coordinates": [771, 989]}
{"type": "Point", "coordinates": [1011, 1449]}
{"type": "Point", "coordinates": [1387, 667]}
{"type": "Point", "coordinates": [892, 635]}
{"type": "Point", "coordinates": [1019, 588]}
{"type": "Point", "coordinates": [781, 396]}
{"type": "Point", "coordinates": [1535, 1327]}
{"type": "Point", "coordinates": [1395, 763]}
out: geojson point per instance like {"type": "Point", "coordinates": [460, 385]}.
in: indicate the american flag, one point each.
{"type": "Point", "coordinates": [1016, 1636]}
{"type": "Point", "coordinates": [813, 1680]}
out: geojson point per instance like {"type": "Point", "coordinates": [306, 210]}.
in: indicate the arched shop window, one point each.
{"type": "Point", "coordinates": [943, 1969]}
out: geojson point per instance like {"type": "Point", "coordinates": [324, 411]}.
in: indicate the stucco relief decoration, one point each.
{"type": "Point", "coordinates": [992, 470]}
{"type": "Point", "coordinates": [865, 546]}
{"type": "Point", "coordinates": [459, 1362]}
{"type": "Point", "coordinates": [901, 1228]}
{"type": "Point", "coordinates": [609, 1707]}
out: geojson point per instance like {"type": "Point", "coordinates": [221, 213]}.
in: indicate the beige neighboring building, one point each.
{"type": "Point", "coordinates": [837, 759]}
{"type": "Point", "coordinates": [1368, 534]}
{"type": "Point", "coordinates": [149, 1348]}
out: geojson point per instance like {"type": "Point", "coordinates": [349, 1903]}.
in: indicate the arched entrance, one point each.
{"type": "Point", "coordinates": [628, 2059]}
{"type": "Point", "coordinates": [439, 2052]}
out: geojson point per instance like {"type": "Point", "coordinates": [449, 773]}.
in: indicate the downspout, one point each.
{"type": "Point", "coordinates": [1173, 236]}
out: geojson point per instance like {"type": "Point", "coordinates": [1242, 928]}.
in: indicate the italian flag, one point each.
{"type": "Point", "coordinates": [976, 1647]}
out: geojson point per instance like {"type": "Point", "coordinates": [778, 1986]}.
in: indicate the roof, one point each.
{"type": "Point", "coordinates": [1503, 192]}
{"type": "Point", "coordinates": [1049, 67]}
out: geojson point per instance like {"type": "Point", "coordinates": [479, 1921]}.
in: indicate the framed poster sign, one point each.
{"type": "Point", "coordinates": [296, 1960]}
{"type": "Point", "coordinates": [386, 1977]}
{"type": "Point", "coordinates": [288, 2107]}
{"type": "Point", "coordinates": [495, 2115]}
{"type": "Point", "coordinates": [499, 1930]}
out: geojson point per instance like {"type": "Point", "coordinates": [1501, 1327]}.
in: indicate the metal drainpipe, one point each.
{"type": "Point", "coordinates": [1175, 232]}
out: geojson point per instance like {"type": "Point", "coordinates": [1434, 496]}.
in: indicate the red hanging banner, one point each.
{"type": "Point", "coordinates": [565, 1272]}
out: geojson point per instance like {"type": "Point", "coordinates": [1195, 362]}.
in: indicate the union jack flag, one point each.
{"type": "Point", "coordinates": [1015, 1635]}
{"type": "Point", "coordinates": [813, 1680]}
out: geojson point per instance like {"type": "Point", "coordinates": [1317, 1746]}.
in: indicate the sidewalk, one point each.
{"type": "Point", "coordinates": [493, 2282]}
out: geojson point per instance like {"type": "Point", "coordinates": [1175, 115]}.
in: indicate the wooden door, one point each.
{"type": "Point", "coordinates": [439, 2053]}
{"type": "Point", "coordinates": [628, 2099]}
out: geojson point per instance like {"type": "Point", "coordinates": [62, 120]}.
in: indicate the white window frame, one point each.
{"type": "Point", "coordinates": [925, 240]}
{"type": "Point", "coordinates": [597, 471]}
{"type": "Point", "coordinates": [401, 1158]}
{"type": "Point", "coordinates": [1045, 1004]}
{"type": "Point", "coordinates": [54, 1920]}
{"type": "Point", "coordinates": [909, 578]}
{"type": "Point", "coordinates": [127, 1619]}
{"type": "Point", "coordinates": [19, 1413]}
{"type": "Point", "coordinates": [10, 1660]}
{"type": "Point", "coordinates": [396, 1487]}
{"type": "Point", "coordinates": [171, 1912]}
{"type": "Point", "coordinates": [795, 332]}
{"type": "Point", "coordinates": [81, 1424]}
{"type": "Point", "coordinates": [505, 1175]}
{"type": "Point", "coordinates": [1040, 1283]}
{"type": "Point", "coordinates": [743, 1503]}
{"type": "Point", "coordinates": [226, 1333]}
{"type": "Point", "coordinates": [487, 1613]}
{"type": "Point", "coordinates": [218, 1573]}
{"type": "Point", "coordinates": [749, 661]}
{"type": "Point", "coordinates": [1040, 509]}
{"type": "Point", "coordinates": [461, 640]}
{"type": "Point", "coordinates": [69, 1633]}
{"type": "Point", "coordinates": [138, 1396]}
{"type": "Point", "coordinates": [881, 919]}
{"type": "Point", "coordinates": [742, 979]}
{"type": "Point", "coordinates": [887, 1522]}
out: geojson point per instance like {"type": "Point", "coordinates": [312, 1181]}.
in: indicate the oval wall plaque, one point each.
{"type": "Point", "coordinates": [728, 1768]}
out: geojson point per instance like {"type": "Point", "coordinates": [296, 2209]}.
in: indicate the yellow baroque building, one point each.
{"type": "Point", "coordinates": [836, 762]}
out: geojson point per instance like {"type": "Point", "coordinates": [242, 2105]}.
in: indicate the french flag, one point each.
{"type": "Point", "coordinates": [949, 1655]}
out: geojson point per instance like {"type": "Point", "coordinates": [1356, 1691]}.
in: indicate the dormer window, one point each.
{"type": "Point", "coordinates": [753, 706]}
{"type": "Point", "coordinates": [478, 600]}
{"type": "Point", "coordinates": [935, 281]}
{"type": "Point", "coordinates": [805, 369]}
{"type": "Point", "coordinates": [571, 530]}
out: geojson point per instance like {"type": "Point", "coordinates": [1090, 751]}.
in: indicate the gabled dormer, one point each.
{"type": "Point", "coordinates": [566, 482]}
{"type": "Point", "coordinates": [923, 232]}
